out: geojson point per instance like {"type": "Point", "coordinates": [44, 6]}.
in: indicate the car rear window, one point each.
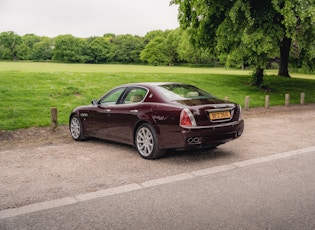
{"type": "Point", "coordinates": [175, 92]}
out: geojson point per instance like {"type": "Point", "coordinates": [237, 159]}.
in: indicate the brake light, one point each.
{"type": "Point", "coordinates": [187, 118]}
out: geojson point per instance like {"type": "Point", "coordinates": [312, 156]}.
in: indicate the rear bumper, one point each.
{"type": "Point", "coordinates": [199, 137]}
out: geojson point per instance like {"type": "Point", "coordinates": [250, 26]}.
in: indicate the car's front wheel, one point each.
{"type": "Point", "coordinates": [146, 142]}
{"type": "Point", "coordinates": [76, 128]}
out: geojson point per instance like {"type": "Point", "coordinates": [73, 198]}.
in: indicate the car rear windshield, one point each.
{"type": "Point", "coordinates": [175, 92]}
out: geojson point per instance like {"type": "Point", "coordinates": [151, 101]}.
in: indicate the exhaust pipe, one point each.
{"type": "Point", "coordinates": [193, 140]}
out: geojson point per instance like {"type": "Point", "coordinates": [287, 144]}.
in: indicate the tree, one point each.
{"type": "Point", "coordinates": [188, 52]}
{"type": "Point", "coordinates": [9, 44]}
{"type": "Point", "coordinates": [42, 50]}
{"type": "Point", "coordinates": [298, 21]}
{"type": "Point", "coordinates": [248, 31]}
{"type": "Point", "coordinates": [172, 42]}
{"type": "Point", "coordinates": [154, 52]}
{"type": "Point", "coordinates": [161, 47]}
{"type": "Point", "coordinates": [27, 46]}
{"type": "Point", "coordinates": [128, 48]}
{"type": "Point", "coordinates": [152, 34]}
{"type": "Point", "coordinates": [99, 50]}
{"type": "Point", "coordinates": [69, 49]}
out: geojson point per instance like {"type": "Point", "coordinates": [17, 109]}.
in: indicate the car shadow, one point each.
{"type": "Point", "coordinates": [194, 155]}
{"type": "Point", "coordinates": [176, 156]}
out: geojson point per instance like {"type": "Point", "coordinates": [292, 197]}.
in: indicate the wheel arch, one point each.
{"type": "Point", "coordinates": [71, 115]}
{"type": "Point", "coordinates": [148, 146]}
{"type": "Point", "coordinates": [82, 130]}
{"type": "Point", "coordinates": [74, 114]}
{"type": "Point", "coordinates": [141, 122]}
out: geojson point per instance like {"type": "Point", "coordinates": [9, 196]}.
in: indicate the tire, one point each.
{"type": "Point", "coordinates": [146, 142]}
{"type": "Point", "coordinates": [76, 128]}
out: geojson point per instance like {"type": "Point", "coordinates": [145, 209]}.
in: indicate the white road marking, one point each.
{"type": "Point", "coordinates": [215, 169]}
{"type": "Point", "coordinates": [7, 213]}
{"type": "Point", "coordinates": [166, 180]}
{"type": "Point", "coordinates": [108, 192]}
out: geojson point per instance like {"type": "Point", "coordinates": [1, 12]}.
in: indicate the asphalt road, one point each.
{"type": "Point", "coordinates": [272, 192]}
{"type": "Point", "coordinates": [38, 166]}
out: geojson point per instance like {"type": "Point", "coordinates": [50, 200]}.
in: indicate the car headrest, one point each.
{"type": "Point", "coordinates": [136, 98]}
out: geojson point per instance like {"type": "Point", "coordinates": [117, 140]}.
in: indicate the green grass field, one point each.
{"type": "Point", "coordinates": [29, 90]}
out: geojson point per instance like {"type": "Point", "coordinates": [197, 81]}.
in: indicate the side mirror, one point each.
{"type": "Point", "coordinates": [95, 102]}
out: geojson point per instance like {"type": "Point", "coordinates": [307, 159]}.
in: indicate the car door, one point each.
{"type": "Point", "coordinates": [125, 114]}
{"type": "Point", "coordinates": [100, 119]}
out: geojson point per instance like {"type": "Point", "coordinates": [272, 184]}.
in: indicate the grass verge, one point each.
{"type": "Point", "coordinates": [29, 90]}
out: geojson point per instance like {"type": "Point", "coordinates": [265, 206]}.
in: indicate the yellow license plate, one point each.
{"type": "Point", "coordinates": [220, 115]}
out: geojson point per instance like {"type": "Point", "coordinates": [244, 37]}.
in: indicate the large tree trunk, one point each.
{"type": "Point", "coordinates": [284, 57]}
{"type": "Point", "coordinates": [258, 77]}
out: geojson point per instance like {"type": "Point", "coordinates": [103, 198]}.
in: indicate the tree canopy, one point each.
{"type": "Point", "coordinates": [157, 47]}
{"type": "Point", "coordinates": [9, 45]}
{"type": "Point", "coordinates": [238, 33]}
{"type": "Point", "coordinates": [251, 32]}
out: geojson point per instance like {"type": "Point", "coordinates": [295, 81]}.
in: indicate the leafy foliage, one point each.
{"type": "Point", "coordinates": [155, 52]}
{"type": "Point", "coordinates": [238, 33]}
{"type": "Point", "coordinates": [99, 50]}
{"type": "Point", "coordinates": [127, 48]}
{"type": "Point", "coordinates": [9, 45]}
{"type": "Point", "coordinates": [249, 32]}
{"type": "Point", "coordinates": [69, 49]}
{"type": "Point", "coordinates": [173, 47]}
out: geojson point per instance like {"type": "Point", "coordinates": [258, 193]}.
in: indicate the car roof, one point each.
{"type": "Point", "coordinates": [148, 84]}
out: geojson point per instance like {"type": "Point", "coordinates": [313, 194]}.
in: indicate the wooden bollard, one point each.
{"type": "Point", "coordinates": [287, 100]}
{"type": "Point", "coordinates": [54, 119]}
{"type": "Point", "coordinates": [267, 101]}
{"type": "Point", "coordinates": [246, 104]}
{"type": "Point", "coordinates": [302, 101]}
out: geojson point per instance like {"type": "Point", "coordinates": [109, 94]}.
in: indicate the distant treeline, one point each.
{"type": "Point", "coordinates": [170, 47]}
{"type": "Point", "coordinates": [158, 47]}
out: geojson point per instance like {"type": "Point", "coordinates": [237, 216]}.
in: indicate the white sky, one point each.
{"type": "Point", "coordinates": [85, 18]}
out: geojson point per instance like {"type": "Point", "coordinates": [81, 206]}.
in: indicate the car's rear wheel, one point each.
{"type": "Point", "coordinates": [76, 128]}
{"type": "Point", "coordinates": [146, 142]}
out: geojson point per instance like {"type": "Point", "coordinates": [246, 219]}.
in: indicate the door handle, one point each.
{"type": "Point", "coordinates": [107, 111]}
{"type": "Point", "coordinates": [133, 111]}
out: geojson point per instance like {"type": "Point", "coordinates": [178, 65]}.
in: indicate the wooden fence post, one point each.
{"type": "Point", "coordinates": [246, 104]}
{"type": "Point", "coordinates": [287, 100]}
{"type": "Point", "coordinates": [267, 101]}
{"type": "Point", "coordinates": [302, 101]}
{"type": "Point", "coordinates": [54, 119]}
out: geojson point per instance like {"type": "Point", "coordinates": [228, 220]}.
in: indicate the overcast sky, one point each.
{"type": "Point", "coordinates": [85, 18]}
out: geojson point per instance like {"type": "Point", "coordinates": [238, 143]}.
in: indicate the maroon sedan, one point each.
{"type": "Point", "coordinates": [154, 117]}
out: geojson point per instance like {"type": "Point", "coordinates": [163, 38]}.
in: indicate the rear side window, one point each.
{"type": "Point", "coordinates": [135, 95]}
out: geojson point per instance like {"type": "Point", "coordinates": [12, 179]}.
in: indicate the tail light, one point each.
{"type": "Point", "coordinates": [187, 119]}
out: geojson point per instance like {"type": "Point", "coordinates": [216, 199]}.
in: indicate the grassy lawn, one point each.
{"type": "Point", "coordinates": [29, 90]}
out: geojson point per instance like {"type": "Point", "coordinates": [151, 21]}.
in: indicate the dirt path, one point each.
{"type": "Point", "coordinates": [39, 165]}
